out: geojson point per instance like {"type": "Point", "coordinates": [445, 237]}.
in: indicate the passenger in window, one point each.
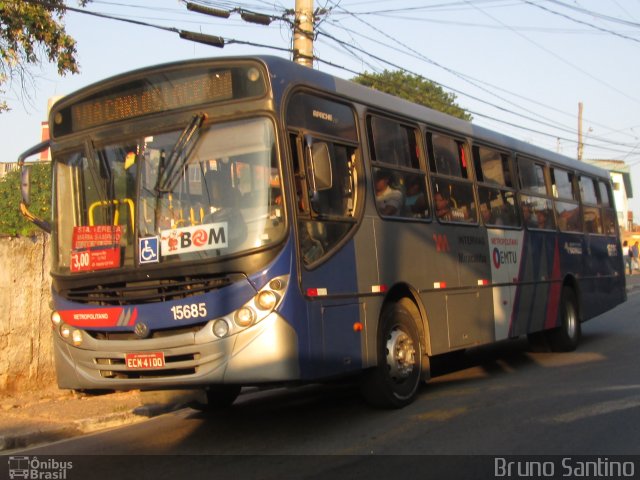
{"type": "Point", "coordinates": [527, 216]}
{"type": "Point", "coordinates": [388, 199]}
{"type": "Point", "coordinates": [415, 204]}
{"type": "Point", "coordinates": [443, 206]}
{"type": "Point", "coordinates": [543, 220]}
{"type": "Point", "coordinates": [487, 216]}
{"type": "Point", "coordinates": [570, 219]}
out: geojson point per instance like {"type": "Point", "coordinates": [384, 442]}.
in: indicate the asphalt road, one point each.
{"type": "Point", "coordinates": [497, 401]}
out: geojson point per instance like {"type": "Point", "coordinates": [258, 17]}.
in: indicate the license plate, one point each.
{"type": "Point", "coordinates": [144, 361]}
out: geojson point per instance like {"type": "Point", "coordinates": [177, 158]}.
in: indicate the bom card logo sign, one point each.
{"type": "Point", "coordinates": [194, 239]}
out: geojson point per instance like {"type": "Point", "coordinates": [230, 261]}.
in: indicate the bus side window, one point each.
{"type": "Point", "coordinates": [532, 176]}
{"type": "Point", "coordinates": [447, 156]}
{"type": "Point", "coordinates": [399, 183]}
{"type": "Point", "coordinates": [537, 212]}
{"type": "Point", "coordinates": [453, 201]}
{"type": "Point", "coordinates": [609, 215]}
{"type": "Point", "coordinates": [498, 206]}
{"type": "Point", "coordinates": [591, 212]}
{"type": "Point", "coordinates": [567, 208]}
{"type": "Point", "coordinates": [453, 195]}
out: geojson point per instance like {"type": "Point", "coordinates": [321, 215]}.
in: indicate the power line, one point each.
{"type": "Point", "coordinates": [212, 40]}
{"type": "Point", "coordinates": [353, 51]}
{"type": "Point", "coordinates": [479, 114]}
{"type": "Point", "coordinates": [463, 77]}
{"type": "Point", "coordinates": [582, 22]}
{"type": "Point", "coordinates": [595, 14]}
{"type": "Point", "coordinates": [550, 52]}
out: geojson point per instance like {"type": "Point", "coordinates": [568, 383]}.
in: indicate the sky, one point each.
{"type": "Point", "coordinates": [521, 67]}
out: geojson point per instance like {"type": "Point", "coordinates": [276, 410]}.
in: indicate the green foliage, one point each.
{"type": "Point", "coordinates": [30, 33]}
{"type": "Point", "coordinates": [415, 89]}
{"type": "Point", "coordinates": [11, 220]}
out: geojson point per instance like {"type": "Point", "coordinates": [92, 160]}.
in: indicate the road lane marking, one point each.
{"type": "Point", "coordinates": [601, 408]}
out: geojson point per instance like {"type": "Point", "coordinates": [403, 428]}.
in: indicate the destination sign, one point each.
{"type": "Point", "coordinates": [152, 98]}
{"type": "Point", "coordinates": [158, 92]}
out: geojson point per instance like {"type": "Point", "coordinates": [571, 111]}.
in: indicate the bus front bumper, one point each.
{"type": "Point", "coordinates": [264, 353]}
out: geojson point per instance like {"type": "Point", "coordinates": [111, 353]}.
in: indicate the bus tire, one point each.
{"type": "Point", "coordinates": [566, 337]}
{"type": "Point", "coordinates": [394, 381]}
{"type": "Point", "coordinates": [219, 397]}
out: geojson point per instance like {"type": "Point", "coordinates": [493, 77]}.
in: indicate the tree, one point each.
{"type": "Point", "coordinates": [11, 220]}
{"type": "Point", "coordinates": [415, 89]}
{"type": "Point", "coordinates": [31, 31]}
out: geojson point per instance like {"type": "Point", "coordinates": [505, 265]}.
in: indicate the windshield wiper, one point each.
{"type": "Point", "coordinates": [173, 165]}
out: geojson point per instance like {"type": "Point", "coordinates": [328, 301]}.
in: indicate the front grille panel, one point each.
{"type": "Point", "coordinates": [169, 332]}
{"type": "Point", "coordinates": [127, 293]}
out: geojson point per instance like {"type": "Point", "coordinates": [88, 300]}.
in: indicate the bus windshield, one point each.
{"type": "Point", "coordinates": [194, 193]}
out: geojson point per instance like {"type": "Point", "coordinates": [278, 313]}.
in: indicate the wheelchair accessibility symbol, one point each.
{"type": "Point", "coordinates": [148, 250]}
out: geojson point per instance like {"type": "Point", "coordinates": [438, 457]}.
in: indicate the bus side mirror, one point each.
{"type": "Point", "coordinates": [25, 186]}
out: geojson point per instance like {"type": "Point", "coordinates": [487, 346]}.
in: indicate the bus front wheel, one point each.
{"type": "Point", "coordinates": [394, 381]}
{"type": "Point", "coordinates": [219, 397]}
{"type": "Point", "coordinates": [566, 337]}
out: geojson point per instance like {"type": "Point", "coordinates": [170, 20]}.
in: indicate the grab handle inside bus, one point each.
{"type": "Point", "coordinates": [25, 186]}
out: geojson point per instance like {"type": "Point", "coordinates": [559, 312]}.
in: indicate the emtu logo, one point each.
{"type": "Point", "coordinates": [442, 242]}
{"type": "Point", "coordinates": [504, 257]}
{"type": "Point", "coordinates": [496, 258]}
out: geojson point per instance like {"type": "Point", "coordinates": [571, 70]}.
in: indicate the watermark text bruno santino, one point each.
{"type": "Point", "coordinates": [596, 467]}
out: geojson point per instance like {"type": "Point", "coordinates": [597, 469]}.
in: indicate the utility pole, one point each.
{"type": "Point", "coordinates": [303, 33]}
{"type": "Point", "coordinates": [580, 144]}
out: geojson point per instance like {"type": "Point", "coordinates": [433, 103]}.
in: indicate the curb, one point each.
{"type": "Point", "coordinates": [53, 433]}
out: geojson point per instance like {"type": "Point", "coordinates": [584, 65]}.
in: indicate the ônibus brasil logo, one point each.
{"type": "Point", "coordinates": [37, 469]}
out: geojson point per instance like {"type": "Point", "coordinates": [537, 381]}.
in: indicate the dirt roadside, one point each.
{"type": "Point", "coordinates": [31, 418]}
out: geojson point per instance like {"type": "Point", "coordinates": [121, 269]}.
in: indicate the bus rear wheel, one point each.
{"type": "Point", "coordinates": [566, 337]}
{"type": "Point", "coordinates": [394, 382]}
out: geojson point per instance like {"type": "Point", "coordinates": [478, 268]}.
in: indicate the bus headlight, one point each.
{"type": "Point", "coordinates": [65, 331]}
{"type": "Point", "coordinates": [244, 316]}
{"type": "Point", "coordinates": [76, 337]}
{"type": "Point", "coordinates": [220, 328]}
{"type": "Point", "coordinates": [255, 310]}
{"type": "Point", "coordinates": [266, 300]}
{"type": "Point", "coordinates": [56, 319]}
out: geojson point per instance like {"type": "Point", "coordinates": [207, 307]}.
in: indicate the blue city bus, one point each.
{"type": "Point", "coordinates": [235, 222]}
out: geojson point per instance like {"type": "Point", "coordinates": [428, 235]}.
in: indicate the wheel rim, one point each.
{"type": "Point", "coordinates": [401, 355]}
